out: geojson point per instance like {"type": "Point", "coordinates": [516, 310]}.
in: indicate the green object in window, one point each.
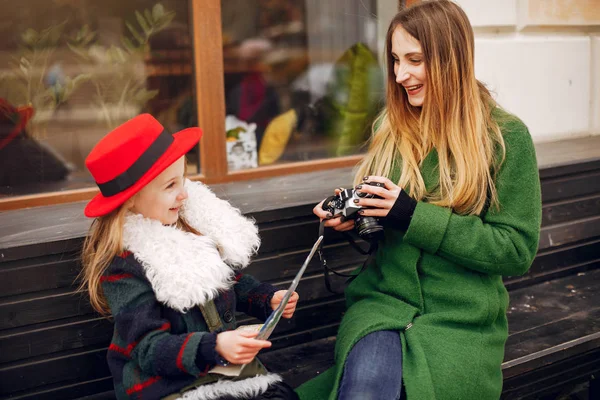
{"type": "Point", "coordinates": [354, 96]}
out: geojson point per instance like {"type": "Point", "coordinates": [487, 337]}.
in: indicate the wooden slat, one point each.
{"type": "Point", "coordinates": [569, 232]}
{"type": "Point", "coordinates": [285, 265]}
{"type": "Point", "coordinates": [42, 307]}
{"type": "Point", "coordinates": [558, 262]}
{"type": "Point", "coordinates": [554, 300]}
{"type": "Point", "coordinates": [566, 187]}
{"type": "Point", "coordinates": [555, 380]}
{"type": "Point", "coordinates": [209, 78]}
{"type": "Point", "coordinates": [54, 337]}
{"type": "Point", "coordinates": [71, 390]}
{"type": "Point", "coordinates": [572, 209]}
{"type": "Point", "coordinates": [52, 274]}
{"type": "Point", "coordinates": [90, 364]}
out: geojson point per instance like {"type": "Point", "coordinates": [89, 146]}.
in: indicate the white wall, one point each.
{"type": "Point", "coordinates": [542, 59]}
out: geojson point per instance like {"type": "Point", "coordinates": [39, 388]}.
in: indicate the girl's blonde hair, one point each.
{"type": "Point", "coordinates": [103, 243]}
{"type": "Point", "coordinates": [456, 117]}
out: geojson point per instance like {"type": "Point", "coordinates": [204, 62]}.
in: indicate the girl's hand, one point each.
{"type": "Point", "coordinates": [378, 207]}
{"type": "Point", "coordinates": [333, 222]}
{"type": "Point", "coordinates": [239, 347]}
{"type": "Point", "coordinates": [290, 307]}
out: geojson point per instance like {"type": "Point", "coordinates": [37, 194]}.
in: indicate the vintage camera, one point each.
{"type": "Point", "coordinates": [343, 204]}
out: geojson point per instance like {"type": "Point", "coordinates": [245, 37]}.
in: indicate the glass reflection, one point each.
{"type": "Point", "coordinates": [71, 70]}
{"type": "Point", "coordinates": [302, 81]}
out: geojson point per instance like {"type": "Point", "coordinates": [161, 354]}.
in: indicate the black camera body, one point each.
{"type": "Point", "coordinates": [343, 204]}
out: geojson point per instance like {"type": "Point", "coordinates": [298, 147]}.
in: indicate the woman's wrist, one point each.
{"type": "Point", "coordinates": [402, 211]}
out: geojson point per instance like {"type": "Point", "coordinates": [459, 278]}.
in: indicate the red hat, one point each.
{"type": "Point", "coordinates": [131, 156]}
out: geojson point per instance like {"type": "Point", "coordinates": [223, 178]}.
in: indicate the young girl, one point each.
{"type": "Point", "coordinates": [461, 207]}
{"type": "Point", "coordinates": [164, 256]}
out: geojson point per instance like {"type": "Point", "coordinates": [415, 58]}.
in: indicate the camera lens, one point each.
{"type": "Point", "coordinates": [368, 228]}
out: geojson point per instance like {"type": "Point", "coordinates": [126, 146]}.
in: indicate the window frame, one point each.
{"type": "Point", "coordinates": [208, 70]}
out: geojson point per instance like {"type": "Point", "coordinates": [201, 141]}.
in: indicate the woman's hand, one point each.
{"type": "Point", "coordinates": [378, 207]}
{"type": "Point", "coordinates": [239, 347]}
{"type": "Point", "coordinates": [331, 221]}
{"type": "Point", "coordinates": [290, 307]}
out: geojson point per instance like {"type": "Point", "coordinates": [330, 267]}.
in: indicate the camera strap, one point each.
{"type": "Point", "coordinates": [327, 269]}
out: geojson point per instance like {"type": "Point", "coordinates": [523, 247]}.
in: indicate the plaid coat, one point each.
{"type": "Point", "coordinates": [161, 342]}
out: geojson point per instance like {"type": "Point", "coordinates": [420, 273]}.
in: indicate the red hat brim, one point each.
{"type": "Point", "coordinates": [183, 142]}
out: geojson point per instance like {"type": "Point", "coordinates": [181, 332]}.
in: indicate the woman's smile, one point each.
{"type": "Point", "coordinates": [413, 90]}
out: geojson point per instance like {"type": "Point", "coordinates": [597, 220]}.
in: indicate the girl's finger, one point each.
{"type": "Point", "coordinates": [254, 343]}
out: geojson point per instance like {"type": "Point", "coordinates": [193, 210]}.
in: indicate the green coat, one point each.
{"type": "Point", "coordinates": [439, 284]}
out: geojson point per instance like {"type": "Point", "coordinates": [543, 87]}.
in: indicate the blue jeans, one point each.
{"type": "Point", "coordinates": [373, 369]}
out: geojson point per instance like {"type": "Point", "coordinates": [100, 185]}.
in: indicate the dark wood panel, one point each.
{"type": "Point", "coordinates": [68, 390]}
{"type": "Point", "coordinates": [52, 246]}
{"type": "Point", "coordinates": [515, 284]}
{"type": "Point", "coordinates": [570, 169]}
{"type": "Point", "coordinates": [582, 326]}
{"type": "Point", "coordinates": [564, 256]}
{"type": "Point", "coordinates": [555, 380]}
{"type": "Point", "coordinates": [81, 366]}
{"type": "Point", "coordinates": [54, 337]}
{"type": "Point", "coordinates": [566, 187]}
{"type": "Point", "coordinates": [38, 276]}
{"type": "Point", "coordinates": [285, 265]}
{"type": "Point", "coordinates": [558, 262]}
{"type": "Point", "coordinates": [569, 232]}
{"type": "Point", "coordinates": [300, 363]}
{"type": "Point", "coordinates": [568, 210]}
{"type": "Point", "coordinates": [45, 306]}
{"type": "Point", "coordinates": [553, 300]}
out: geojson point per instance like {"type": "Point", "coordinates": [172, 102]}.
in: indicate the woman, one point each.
{"type": "Point", "coordinates": [461, 208]}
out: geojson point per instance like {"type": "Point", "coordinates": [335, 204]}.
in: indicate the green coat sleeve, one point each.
{"type": "Point", "coordinates": [503, 242]}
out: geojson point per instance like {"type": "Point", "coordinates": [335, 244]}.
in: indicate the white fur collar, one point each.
{"type": "Point", "coordinates": [184, 269]}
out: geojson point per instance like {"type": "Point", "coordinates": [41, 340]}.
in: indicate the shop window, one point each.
{"type": "Point", "coordinates": [73, 70]}
{"type": "Point", "coordinates": [278, 86]}
{"type": "Point", "coordinates": [302, 79]}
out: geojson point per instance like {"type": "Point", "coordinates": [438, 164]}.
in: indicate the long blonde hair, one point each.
{"type": "Point", "coordinates": [456, 117]}
{"type": "Point", "coordinates": [103, 243]}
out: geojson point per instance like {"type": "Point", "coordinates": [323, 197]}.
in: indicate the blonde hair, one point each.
{"type": "Point", "coordinates": [103, 243]}
{"type": "Point", "coordinates": [456, 117]}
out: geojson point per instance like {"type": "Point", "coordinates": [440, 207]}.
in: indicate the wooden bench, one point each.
{"type": "Point", "coordinates": [52, 345]}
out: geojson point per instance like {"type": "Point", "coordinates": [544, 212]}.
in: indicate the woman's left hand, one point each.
{"type": "Point", "coordinates": [378, 207]}
{"type": "Point", "coordinates": [290, 307]}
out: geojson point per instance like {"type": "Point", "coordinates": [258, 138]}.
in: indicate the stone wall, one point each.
{"type": "Point", "coordinates": [542, 59]}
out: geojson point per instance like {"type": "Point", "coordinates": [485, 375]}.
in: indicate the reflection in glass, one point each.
{"type": "Point", "coordinates": [302, 80]}
{"type": "Point", "coordinates": [72, 70]}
